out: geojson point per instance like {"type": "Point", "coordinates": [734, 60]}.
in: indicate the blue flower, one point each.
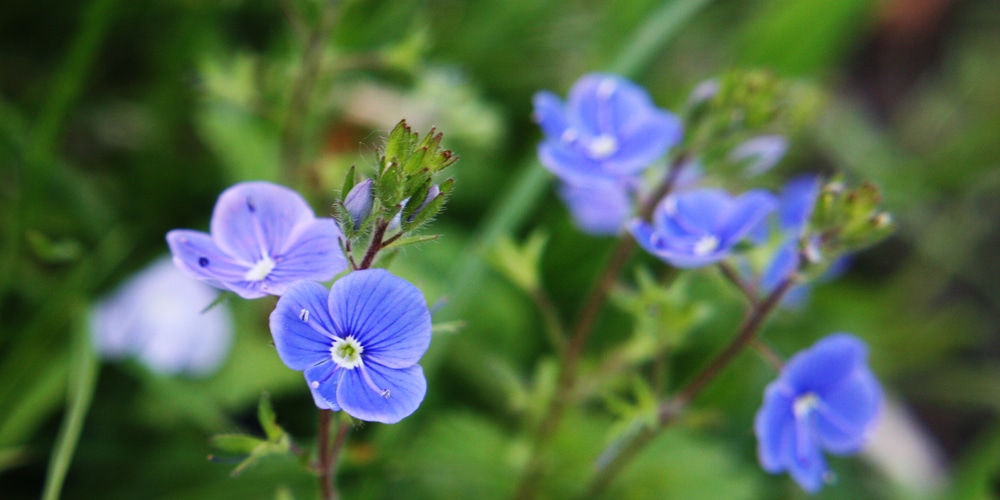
{"type": "Point", "coordinates": [156, 316]}
{"type": "Point", "coordinates": [608, 129]}
{"type": "Point", "coordinates": [826, 398]}
{"type": "Point", "coordinates": [600, 207]}
{"type": "Point", "coordinates": [357, 343]}
{"type": "Point", "coordinates": [264, 238]}
{"type": "Point", "coordinates": [700, 227]}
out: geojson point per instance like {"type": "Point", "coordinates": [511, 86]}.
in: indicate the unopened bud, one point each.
{"type": "Point", "coordinates": [359, 202]}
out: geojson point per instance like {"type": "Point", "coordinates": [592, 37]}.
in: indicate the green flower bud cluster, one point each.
{"type": "Point", "coordinates": [401, 196]}
{"type": "Point", "coordinates": [746, 103]}
{"type": "Point", "coordinates": [848, 220]}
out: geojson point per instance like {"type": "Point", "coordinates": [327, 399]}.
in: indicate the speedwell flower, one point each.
{"type": "Point", "coordinates": [357, 343]}
{"type": "Point", "coordinates": [826, 398]}
{"type": "Point", "coordinates": [156, 316]}
{"type": "Point", "coordinates": [264, 238]}
{"type": "Point", "coordinates": [609, 128]}
{"type": "Point", "coordinates": [700, 227]}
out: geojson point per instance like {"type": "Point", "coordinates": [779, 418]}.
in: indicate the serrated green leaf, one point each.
{"type": "Point", "coordinates": [397, 144]}
{"type": "Point", "coordinates": [417, 199]}
{"type": "Point", "coordinates": [389, 185]}
{"type": "Point", "coordinates": [415, 161]}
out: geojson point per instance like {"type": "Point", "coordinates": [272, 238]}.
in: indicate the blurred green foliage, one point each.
{"type": "Point", "coordinates": [122, 120]}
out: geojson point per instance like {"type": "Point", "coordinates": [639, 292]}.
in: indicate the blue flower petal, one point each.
{"type": "Point", "coordinates": [746, 213]}
{"type": "Point", "coordinates": [849, 413]}
{"type": "Point", "coordinates": [320, 401]}
{"type": "Point", "coordinates": [253, 219]}
{"type": "Point", "coordinates": [782, 265]}
{"type": "Point", "coordinates": [598, 208]}
{"type": "Point", "coordinates": [385, 313]}
{"type": "Point", "coordinates": [826, 364]}
{"type": "Point", "coordinates": [760, 153]}
{"type": "Point", "coordinates": [301, 326]}
{"type": "Point", "coordinates": [569, 163]}
{"type": "Point", "coordinates": [406, 386]}
{"type": "Point", "coordinates": [797, 201]}
{"type": "Point", "coordinates": [311, 253]}
{"type": "Point", "coordinates": [650, 139]}
{"type": "Point", "coordinates": [589, 104]}
{"type": "Point", "coordinates": [699, 212]}
{"type": "Point", "coordinates": [770, 424]}
{"type": "Point", "coordinates": [804, 460]}
{"type": "Point", "coordinates": [196, 254]}
{"type": "Point", "coordinates": [550, 114]}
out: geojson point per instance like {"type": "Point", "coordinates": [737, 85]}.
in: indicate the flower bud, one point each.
{"type": "Point", "coordinates": [358, 202]}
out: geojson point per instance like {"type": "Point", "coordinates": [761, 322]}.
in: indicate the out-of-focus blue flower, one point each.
{"type": "Point", "coordinates": [358, 202]}
{"type": "Point", "coordinates": [600, 207]}
{"type": "Point", "coordinates": [699, 227]}
{"type": "Point", "coordinates": [609, 128]}
{"type": "Point", "coordinates": [358, 343]}
{"type": "Point", "coordinates": [795, 207]}
{"type": "Point", "coordinates": [826, 398]}
{"type": "Point", "coordinates": [760, 153]}
{"type": "Point", "coordinates": [264, 238]}
{"type": "Point", "coordinates": [156, 316]}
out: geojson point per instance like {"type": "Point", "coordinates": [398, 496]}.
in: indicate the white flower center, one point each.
{"type": "Point", "coordinates": [805, 404]}
{"type": "Point", "coordinates": [346, 352]}
{"type": "Point", "coordinates": [603, 146]}
{"type": "Point", "coordinates": [260, 270]}
{"type": "Point", "coordinates": [706, 245]}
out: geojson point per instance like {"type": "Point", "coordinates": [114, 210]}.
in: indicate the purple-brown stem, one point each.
{"type": "Point", "coordinates": [675, 405]}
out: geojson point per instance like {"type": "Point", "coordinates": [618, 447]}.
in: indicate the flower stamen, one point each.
{"type": "Point", "coordinates": [260, 270]}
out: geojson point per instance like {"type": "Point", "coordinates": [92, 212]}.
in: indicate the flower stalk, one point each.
{"type": "Point", "coordinates": [670, 409]}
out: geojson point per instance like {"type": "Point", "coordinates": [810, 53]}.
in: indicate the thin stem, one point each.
{"type": "Point", "coordinates": [773, 358]}
{"type": "Point", "coordinates": [674, 406]}
{"type": "Point", "coordinates": [748, 290]}
{"type": "Point", "coordinates": [565, 386]}
{"type": "Point", "coordinates": [554, 328]}
{"type": "Point", "coordinates": [338, 445]}
{"type": "Point", "coordinates": [325, 457]}
{"type": "Point", "coordinates": [375, 246]}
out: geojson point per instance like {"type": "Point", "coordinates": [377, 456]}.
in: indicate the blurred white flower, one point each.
{"type": "Point", "coordinates": [156, 316]}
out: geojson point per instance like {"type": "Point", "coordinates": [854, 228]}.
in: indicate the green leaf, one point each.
{"type": "Point", "coordinates": [237, 444]}
{"type": "Point", "coordinates": [349, 181]}
{"type": "Point", "coordinates": [409, 240]}
{"type": "Point", "coordinates": [520, 264]}
{"type": "Point", "coordinates": [389, 188]}
{"type": "Point", "coordinates": [398, 145]}
{"type": "Point", "coordinates": [417, 198]}
{"type": "Point", "coordinates": [268, 420]}
{"type": "Point", "coordinates": [426, 213]}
